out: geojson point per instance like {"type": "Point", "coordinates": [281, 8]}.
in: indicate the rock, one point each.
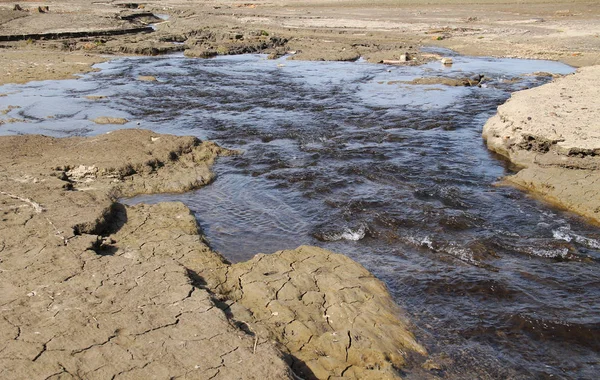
{"type": "Point", "coordinates": [141, 47]}
{"type": "Point", "coordinates": [94, 288]}
{"type": "Point", "coordinates": [147, 78]}
{"type": "Point", "coordinates": [17, 7]}
{"type": "Point", "coordinates": [455, 82]}
{"type": "Point", "coordinates": [553, 132]}
{"type": "Point", "coordinates": [446, 61]}
{"type": "Point", "coordinates": [325, 51]}
{"type": "Point", "coordinates": [82, 173]}
{"type": "Point", "coordinates": [12, 120]}
{"type": "Point", "coordinates": [95, 97]}
{"type": "Point", "coordinates": [277, 53]}
{"type": "Point", "coordinates": [475, 80]}
{"type": "Point", "coordinates": [110, 120]}
{"type": "Point", "coordinates": [8, 109]}
{"type": "Point", "coordinates": [392, 61]}
{"type": "Point", "coordinates": [43, 9]}
{"type": "Point", "coordinates": [403, 59]}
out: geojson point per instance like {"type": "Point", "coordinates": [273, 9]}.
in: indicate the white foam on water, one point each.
{"type": "Point", "coordinates": [461, 253]}
{"type": "Point", "coordinates": [420, 241]}
{"type": "Point", "coordinates": [348, 234]}
{"type": "Point", "coordinates": [561, 234]}
{"type": "Point", "coordinates": [549, 253]}
{"type": "Point", "coordinates": [356, 235]}
{"type": "Point", "coordinates": [565, 233]}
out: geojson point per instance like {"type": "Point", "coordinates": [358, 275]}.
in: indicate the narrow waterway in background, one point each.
{"type": "Point", "coordinates": [347, 157]}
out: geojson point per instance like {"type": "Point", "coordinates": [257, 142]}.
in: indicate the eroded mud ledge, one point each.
{"type": "Point", "coordinates": [553, 132]}
{"type": "Point", "coordinates": [95, 289]}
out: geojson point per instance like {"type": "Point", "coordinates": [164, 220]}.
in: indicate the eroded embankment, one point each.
{"type": "Point", "coordinates": [553, 132]}
{"type": "Point", "coordinates": [94, 289]}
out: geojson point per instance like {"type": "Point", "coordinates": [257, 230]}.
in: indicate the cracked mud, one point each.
{"type": "Point", "coordinates": [94, 289]}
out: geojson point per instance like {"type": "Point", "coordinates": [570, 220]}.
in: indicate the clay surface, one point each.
{"type": "Point", "coordinates": [90, 288]}
{"type": "Point", "coordinates": [94, 289]}
{"type": "Point", "coordinates": [553, 131]}
{"type": "Point", "coordinates": [322, 306]}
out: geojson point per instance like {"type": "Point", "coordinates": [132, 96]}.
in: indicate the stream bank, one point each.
{"type": "Point", "coordinates": [315, 30]}
{"type": "Point", "coordinates": [95, 289]}
{"type": "Point", "coordinates": [553, 132]}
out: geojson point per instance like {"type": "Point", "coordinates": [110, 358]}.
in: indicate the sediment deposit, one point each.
{"type": "Point", "coordinates": [68, 37]}
{"type": "Point", "coordinates": [95, 289]}
{"type": "Point", "coordinates": [553, 133]}
{"type": "Point", "coordinates": [91, 288]}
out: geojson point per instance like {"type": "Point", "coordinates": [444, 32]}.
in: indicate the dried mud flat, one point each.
{"type": "Point", "coordinates": [95, 289]}
{"type": "Point", "coordinates": [70, 36]}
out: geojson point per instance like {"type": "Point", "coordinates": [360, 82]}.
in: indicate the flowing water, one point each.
{"type": "Point", "coordinates": [347, 157]}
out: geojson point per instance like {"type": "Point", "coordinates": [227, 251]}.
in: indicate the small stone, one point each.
{"type": "Point", "coordinates": [200, 53]}
{"type": "Point", "coordinates": [147, 78]}
{"type": "Point", "coordinates": [447, 61]}
{"type": "Point", "coordinates": [95, 97]}
{"type": "Point", "coordinates": [110, 120]}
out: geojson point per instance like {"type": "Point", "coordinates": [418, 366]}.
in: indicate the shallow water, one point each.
{"type": "Point", "coordinates": [396, 176]}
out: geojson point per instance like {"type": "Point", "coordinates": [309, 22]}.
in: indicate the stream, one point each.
{"type": "Point", "coordinates": [348, 157]}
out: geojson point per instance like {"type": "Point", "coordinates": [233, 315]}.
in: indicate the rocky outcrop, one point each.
{"type": "Point", "coordinates": [94, 289]}
{"type": "Point", "coordinates": [553, 133]}
{"type": "Point", "coordinates": [66, 35]}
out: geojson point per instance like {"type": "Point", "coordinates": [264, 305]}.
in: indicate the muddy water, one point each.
{"type": "Point", "coordinates": [396, 176]}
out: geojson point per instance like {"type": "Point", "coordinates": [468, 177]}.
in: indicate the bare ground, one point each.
{"type": "Point", "coordinates": [314, 30]}
{"type": "Point", "coordinates": [553, 132]}
{"type": "Point", "coordinates": [94, 289]}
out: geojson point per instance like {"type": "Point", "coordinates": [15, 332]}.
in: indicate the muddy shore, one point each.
{"type": "Point", "coordinates": [69, 37]}
{"type": "Point", "coordinates": [66, 243]}
{"type": "Point", "coordinates": [95, 289]}
{"type": "Point", "coordinates": [553, 133]}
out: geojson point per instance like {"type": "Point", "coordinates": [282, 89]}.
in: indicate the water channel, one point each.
{"type": "Point", "coordinates": [348, 157]}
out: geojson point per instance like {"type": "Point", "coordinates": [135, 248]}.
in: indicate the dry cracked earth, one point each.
{"type": "Point", "coordinates": [94, 289]}
{"type": "Point", "coordinates": [90, 288]}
